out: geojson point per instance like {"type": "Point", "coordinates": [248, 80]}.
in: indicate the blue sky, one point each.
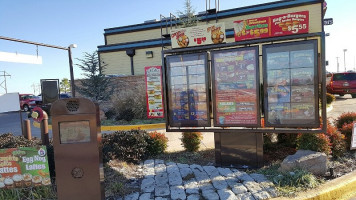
{"type": "Point", "coordinates": [83, 22]}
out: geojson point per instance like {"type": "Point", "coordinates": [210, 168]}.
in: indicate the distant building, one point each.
{"type": "Point", "coordinates": [128, 49]}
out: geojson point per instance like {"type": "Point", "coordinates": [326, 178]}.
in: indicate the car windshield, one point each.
{"type": "Point", "coordinates": [344, 77]}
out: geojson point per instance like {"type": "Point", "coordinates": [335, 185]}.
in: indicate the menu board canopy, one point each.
{"type": "Point", "coordinates": [272, 26]}
{"type": "Point", "coordinates": [187, 90]}
{"type": "Point", "coordinates": [236, 87]}
{"type": "Point", "coordinates": [290, 85]}
{"type": "Point", "coordinates": [198, 35]}
{"type": "Point", "coordinates": [154, 93]}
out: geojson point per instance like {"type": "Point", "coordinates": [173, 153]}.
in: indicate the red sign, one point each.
{"type": "Point", "coordinates": [272, 26]}
{"type": "Point", "coordinates": [154, 92]}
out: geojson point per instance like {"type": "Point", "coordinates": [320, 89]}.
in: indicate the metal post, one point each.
{"type": "Point", "coordinates": [44, 129]}
{"type": "Point", "coordinates": [71, 72]}
{"type": "Point", "coordinates": [27, 129]}
{"type": "Point", "coordinates": [337, 60]}
{"type": "Point", "coordinates": [345, 59]}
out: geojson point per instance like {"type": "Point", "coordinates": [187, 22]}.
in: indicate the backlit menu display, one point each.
{"type": "Point", "coordinates": [291, 84]}
{"type": "Point", "coordinates": [187, 90]}
{"type": "Point", "coordinates": [235, 87]}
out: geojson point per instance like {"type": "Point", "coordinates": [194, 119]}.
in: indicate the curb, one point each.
{"type": "Point", "coordinates": [339, 188]}
{"type": "Point", "coordinates": [120, 128]}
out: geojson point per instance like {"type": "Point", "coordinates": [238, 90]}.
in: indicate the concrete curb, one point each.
{"type": "Point", "coordinates": [120, 128]}
{"type": "Point", "coordinates": [339, 188]}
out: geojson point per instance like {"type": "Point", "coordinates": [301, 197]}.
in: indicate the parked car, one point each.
{"type": "Point", "coordinates": [64, 96]}
{"type": "Point", "coordinates": [342, 83]}
{"type": "Point", "coordinates": [29, 101]}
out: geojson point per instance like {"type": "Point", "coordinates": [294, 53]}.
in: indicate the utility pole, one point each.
{"type": "Point", "coordinates": [337, 60]}
{"type": "Point", "coordinates": [1, 84]}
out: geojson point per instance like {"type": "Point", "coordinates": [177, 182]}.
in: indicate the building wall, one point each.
{"type": "Point", "coordinates": [119, 63]}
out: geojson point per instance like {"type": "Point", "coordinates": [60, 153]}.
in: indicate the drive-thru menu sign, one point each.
{"type": "Point", "coordinates": [235, 87]}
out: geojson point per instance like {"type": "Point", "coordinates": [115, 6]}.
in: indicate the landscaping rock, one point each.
{"type": "Point", "coordinates": [314, 162]}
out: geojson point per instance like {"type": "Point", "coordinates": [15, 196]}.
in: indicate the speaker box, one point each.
{"type": "Point", "coordinates": [50, 91]}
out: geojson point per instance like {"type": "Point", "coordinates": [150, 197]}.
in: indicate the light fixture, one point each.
{"type": "Point", "coordinates": [149, 54]}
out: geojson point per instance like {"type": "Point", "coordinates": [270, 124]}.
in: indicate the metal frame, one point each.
{"type": "Point", "coordinates": [282, 39]}
{"type": "Point", "coordinates": [169, 117]}
{"type": "Point", "coordinates": [353, 136]}
{"type": "Point", "coordinates": [257, 82]}
{"type": "Point", "coordinates": [316, 123]}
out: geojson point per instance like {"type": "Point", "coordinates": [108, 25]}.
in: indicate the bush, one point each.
{"type": "Point", "coordinates": [287, 139]}
{"type": "Point", "coordinates": [126, 114]}
{"type": "Point", "coordinates": [345, 118]}
{"type": "Point", "coordinates": [191, 140]}
{"type": "Point", "coordinates": [110, 114]}
{"type": "Point", "coordinates": [346, 130]}
{"type": "Point", "coordinates": [330, 98]}
{"type": "Point", "coordinates": [130, 146]}
{"type": "Point", "coordinates": [315, 142]}
{"type": "Point", "coordinates": [337, 140]}
{"type": "Point", "coordinates": [158, 144]}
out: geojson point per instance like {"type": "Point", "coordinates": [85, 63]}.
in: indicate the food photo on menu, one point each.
{"type": "Point", "coordinates": [302, 76]}
{"type": "Point", "coordinates": [278, 60]}
{"type": "Point", "coordinates": [302, 58]}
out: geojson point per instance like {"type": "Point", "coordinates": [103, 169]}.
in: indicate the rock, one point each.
{"type": "Point", "coordinates": [148, 185]}
{"type": "Point", "coordinates": [177, 193]}
{"type": "Point", "coordinates": [239, 188]}
{"type": "Point", "coordinates": [133, 196]}
{"type": "Point", "coordinates": [210, 195]}
{"type": "Point", "coordinates": [314, 162]}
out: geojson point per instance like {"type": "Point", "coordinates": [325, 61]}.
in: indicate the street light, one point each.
{"type": "Point", "coordinates": [71, 68]}
{"type": "Point", "coordinates": [344, 59]}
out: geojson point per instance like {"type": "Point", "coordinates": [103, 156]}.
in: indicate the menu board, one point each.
{"type": "Point", "coordinates": [187, 91]}
{"type": "Point", "coordinates": [74, 132]}
{"type": "Point", "coordinates": [24, 167]}
{"type": "Point", "coordinates": [154, 97]}
{"type": "Point", "coordinates": [291, 84]}
{"type": "Point", "coordinates": [235, 87]}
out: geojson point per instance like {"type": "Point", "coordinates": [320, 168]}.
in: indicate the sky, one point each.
{"type": "Point", "coordinates": [82, 22]}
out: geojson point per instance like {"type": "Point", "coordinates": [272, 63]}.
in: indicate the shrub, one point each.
{"type": "Point", "coordinates": [126, 114]}
{"type": "Point", "coordinates": [130, 146]}
{"type": "Point", "coordinates": [158, 144]}
{"type": "Point", "coordinates": [287, 139]}
{"type": "Point", "coordinates": [345, 118]}
{"type": "Point", "coordinates": [330, 98]}
{"type": "Point", "coordinates": [315, 142]}
{"type": "Point", "coordinates": [346, 130]}
{"type": "Point", "coordinates": [337, 140]}
{"type": "Point", "coordinates": [110, 114]}
{"type": "Point", "coordinates": [191, 140]}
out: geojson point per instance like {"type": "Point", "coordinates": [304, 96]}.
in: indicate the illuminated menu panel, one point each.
{"type": "Point", "coordinates": [187, 91]}
{"type": "Point", "coordinates": [235, 87]}
{"type": "Point", "coordinates": [291, 84]}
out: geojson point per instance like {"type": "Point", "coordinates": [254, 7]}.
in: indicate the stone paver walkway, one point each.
{"type": "Point", "coordinates": [175, 181]}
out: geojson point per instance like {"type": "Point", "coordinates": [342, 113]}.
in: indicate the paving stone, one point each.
{"type": "Point", "coordinates": [145, 196]}
{"type": "Point", "coordinates": [205, 186]}
{"type": "Point", "coordinates": [226, 172]}
{"type": "Point", "coordinates": [227, 194]}
{"type": "Point", "coordinates": [177, 192]}
{"type": "Point", "coordinates": [239, 188]}
{"type": "Point", "coordinates": [160, 198]}
{"type": "Point", "coordinates": [272, 191]}
{"type": "Point", "coordinates": [132, 196]}
{"type": "Point", "coordinates": [186, 172]}
{"type": "Point", "coordinates": [245, 196]}
{"type": "Point", "coordinates": [148, 169]}
{"type": "Point", "coordinates": [172, 168]}
{"type": "Point", "coordinates": [200, 175]}
{"type": "Point", "coordinates": [219, 182]}
{"type": "Point", "coordinates": [160, 168]}
{"type": "Point", "coordinates": [252, 186]}
{"type": "Point", "coordinates": [180, 165]}
{"type": "Point", "coordinates": [191, 187]}
{"type": "Point", "coordinates": [148, 185]}
{"type": "Point", "coordinates": [261, 195]}
{"type": "Point", "coordinates": [243, 176]}
{"type": "Point", "coordinates": [258, 177]}
{"type": "Point", "coordinates": [175, 178]}
{"type": "Point", "coordinates": [193, 197]}
{"type": "Point", "coordinates": [162, 190]}
{"type": "Point", "coordinates": [195, 166]}
{"type": "Point", "coordinates": [161, 178]}
{"type": "Point", "coordinates": [210, 195]}
{"type": "Point", "coordinates": [158, 161]}
{"type": "Point", "coordinates": [211, 171]}
{"type": "Point", "coordinates": [232, 181]}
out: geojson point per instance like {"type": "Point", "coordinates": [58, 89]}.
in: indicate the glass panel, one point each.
{"type": "Point", "coordinates": [74, 132]}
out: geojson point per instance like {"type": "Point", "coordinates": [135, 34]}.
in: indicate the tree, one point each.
{"type": "Point", "coordinates": [187, 17]}
{"type": "Point", "coordinates": [95, 86]}
{"type": "Point", "coordinates": [64, 85]}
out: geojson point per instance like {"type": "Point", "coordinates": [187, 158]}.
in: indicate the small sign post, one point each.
{"type": "Point", "coordinates": [353, 138]}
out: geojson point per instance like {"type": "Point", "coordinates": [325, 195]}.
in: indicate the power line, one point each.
{"type": "Point", "coordinates": [3, 83]}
